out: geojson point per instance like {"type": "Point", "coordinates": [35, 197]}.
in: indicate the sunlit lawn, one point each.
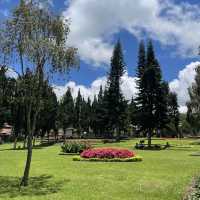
{"type": "Point", "coordinates": [163, 175]}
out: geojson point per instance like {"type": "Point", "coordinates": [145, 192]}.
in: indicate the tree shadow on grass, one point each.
{"type": "Point", "coordinates": [38, 186]}
{"type": "Point", "coordinates": [36, 147]}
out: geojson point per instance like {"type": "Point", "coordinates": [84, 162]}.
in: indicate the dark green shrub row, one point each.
{"type": "Point", "coordinates": [143, 146]}
{"type": "Point", "coordinates": [197, 142]}
{"type": "Point", "coordinates": [75, 146]}
{"type": "Point", "coordinates": [132, 159]}
{"type": "Point", "coordinates": [105, 141]}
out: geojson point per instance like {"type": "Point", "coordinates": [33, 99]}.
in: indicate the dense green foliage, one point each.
{"type": "Point", "coordinates": [155, 105]}
{"type": "Point", "coordinates": [116, 104]}
{"type": "Point", "coordinates": [7, 89]}
{"type": "Point", "coordinates": [75, 146]}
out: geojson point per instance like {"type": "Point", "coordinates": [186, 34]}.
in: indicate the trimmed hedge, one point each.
{"type": "Point", "coordinates": [130, 159]}
{"type": "Point", "coordinates": [143, 146]}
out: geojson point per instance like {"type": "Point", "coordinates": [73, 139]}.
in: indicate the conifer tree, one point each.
{"type": "Point", "coordinates": [94, 112]}
{"type": "Point", "coordinates": [85, 114]}
{"type": "Point", "coordinates": [132, 112]}
{"type": "Point", "coordinates": [115, 98]}
{"type": "Point", "coordinates": [162, 108]}
{"type": "Point", "coordinates": [151, 99]}
{"type": "Point", "coordinates": [66, 111]}
{"type": "Point", "coordinates": [173, 111]}
{"type": "Point", "coordinates": [78, 111]}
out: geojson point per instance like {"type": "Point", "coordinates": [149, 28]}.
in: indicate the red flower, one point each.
{"type": "Point", "coordinates": [107, 153]}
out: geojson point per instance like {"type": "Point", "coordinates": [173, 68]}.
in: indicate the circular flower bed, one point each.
{"type": "Point", "coordinates": [108, 155]}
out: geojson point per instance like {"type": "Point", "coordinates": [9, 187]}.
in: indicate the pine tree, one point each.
{"type": "Point", "coordinates": [162, 113]}
{"type": "Point", "coordinates": [48, 114]}
{"type": "Point", "coordinates": [115, 98]}
{"type": "Point", "coordinates": [88, 114]}
{"type": "Point", "coordinates": [173, 111]}
{"type": "Point", "coordinates": [151, 99]}
{"type": "Point", "coordinates": [78, 110]}
{"type": "Point", "coordinates": [132, 112]}
{"type": "Point", "coordinates": [94, 112]}
{"type": "Point", "coordinates": [85, 115]}
{"type": "Point", "coordinates": [66, 110]}
{"type": "Point", "coordinates": [141, 65]}
{"type": "Point", "coordinates": [102, 113]}
{"type": "Point", "coordinates": [140, 99]}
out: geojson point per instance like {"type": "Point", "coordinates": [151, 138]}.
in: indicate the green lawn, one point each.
{"type": "Point", "coordinates": [163, 175]}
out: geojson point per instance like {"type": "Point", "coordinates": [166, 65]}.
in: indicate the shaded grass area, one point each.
{"type": "Point", "coordinates": [39, 186]}
{"type": "Point", "coordinates": [163, 175]}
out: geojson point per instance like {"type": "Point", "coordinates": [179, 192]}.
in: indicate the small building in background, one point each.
{"type": "Point", "coordinates": [70, 133]}
{"type": "Point", "coordinates": [5, 132]}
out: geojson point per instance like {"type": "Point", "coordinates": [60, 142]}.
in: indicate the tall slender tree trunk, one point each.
{"type": "Point", "coordinates": [149, 137]}
{"type": "Point", "coordinates": [34, 140]}
{"type": "Point", "coordinates": [48, 136]}
{"type": "Point", "coordinates": [31, 130]}
{"type": "Point", "coordinates": [15, 142]}
{"type": "Point", "coordinates": [118, 134]}
{"type": "Point", "coordinates": [24, 146]}
{"type": "Point", "coordinates": [55, 139]}
{"type": "Point", "coordinates": [64, 136]}
{"type": "Point", "coordinates": [24, 181]}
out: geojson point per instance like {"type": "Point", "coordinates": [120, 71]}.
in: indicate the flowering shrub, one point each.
{"type": "Point", "coordinates": [107, 153]}
{"type": "Point", "coordinates": [75, 146]}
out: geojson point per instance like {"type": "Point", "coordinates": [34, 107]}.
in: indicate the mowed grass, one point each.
{"type": "Point", "coordinates": [163, 175]}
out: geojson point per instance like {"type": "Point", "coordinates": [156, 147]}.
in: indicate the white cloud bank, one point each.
{"type": "Point", "coordinates": [179, 86]}
{"type": "Point", "coordinates": [182, 83]}
{"type": "Point", "coordinates": [128, 87]}
{"type": "Point", "coordinates": [95, 22]}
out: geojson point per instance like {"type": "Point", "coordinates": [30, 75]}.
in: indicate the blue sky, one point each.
{"type": "Point", "coordinates": [173, 25]}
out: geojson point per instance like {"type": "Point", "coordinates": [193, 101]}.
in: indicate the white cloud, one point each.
{"type": "Point", "coordinates": [182, 83]}
{"type": "Point", "coordinates": [128, 87]}
{"type": "Point", "coordinates": [182, 109]}
{"type": "Point", "coordinates": [10, 72]}
{"type": "Point", "coordinates": [94, 23]}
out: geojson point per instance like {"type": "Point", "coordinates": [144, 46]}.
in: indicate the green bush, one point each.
{"type": "Point", "coordinates": [197, 142]}
{"type": "Point", "coordinates": [132, 159]}
{"type": "Point", "coordinates": [143, 146]}
{"type": "Point", "coordinates": [76, 158]}
{"type": "Point", "coordinates": [75, 146]}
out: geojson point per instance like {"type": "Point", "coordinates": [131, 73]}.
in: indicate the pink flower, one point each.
{"type": "Point", "coordinates": [107, 153]}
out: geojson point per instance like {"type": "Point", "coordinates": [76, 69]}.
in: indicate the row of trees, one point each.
{"type": "Point", "coordinates": [153, 110]}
